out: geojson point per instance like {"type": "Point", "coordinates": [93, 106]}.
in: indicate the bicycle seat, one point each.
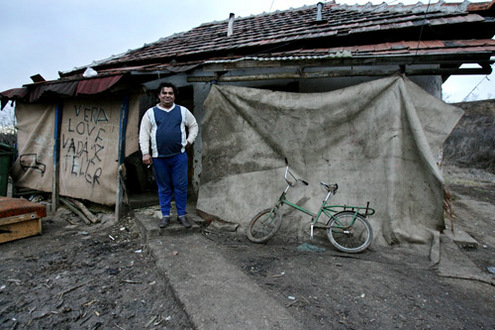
{"type": "Point", "coordinates": [330, 187]}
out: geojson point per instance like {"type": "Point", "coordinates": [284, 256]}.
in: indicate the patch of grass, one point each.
{"type": "Point", "coordinates": [472, 143]}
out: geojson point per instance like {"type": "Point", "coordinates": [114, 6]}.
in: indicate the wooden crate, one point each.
{"type": "Point", "coordinates": [19, 218]}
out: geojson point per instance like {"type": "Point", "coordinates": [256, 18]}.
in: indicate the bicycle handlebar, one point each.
{"type": "Point", "coordinates": [288, 172]}
{"type": "Point", "coordinates": [329, 187]}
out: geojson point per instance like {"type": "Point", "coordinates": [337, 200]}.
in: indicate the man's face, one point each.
{"type": "Point", "coordinates": [166, 97]}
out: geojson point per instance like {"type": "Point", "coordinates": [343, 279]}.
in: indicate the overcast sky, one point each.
{"type": "Point", "coordinates": [48, 36]}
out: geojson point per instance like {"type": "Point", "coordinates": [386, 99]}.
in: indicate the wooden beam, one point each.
{"type": "Point", "coordinates": [75, 210]}
{"type": "Point", "coordinates": [341, 73]}
{"type": "Point", "coordinates": [449, 71]}
{"type": "Point", "coordinates": [120, 198]}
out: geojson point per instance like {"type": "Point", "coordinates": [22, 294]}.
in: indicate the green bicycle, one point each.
{"type": "Point", "coordinates": [347, 227]}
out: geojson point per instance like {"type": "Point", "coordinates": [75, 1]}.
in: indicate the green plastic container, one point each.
{"type": "Point", "coordinates": [6, 155]}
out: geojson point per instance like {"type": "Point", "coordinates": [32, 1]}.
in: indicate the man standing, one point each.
{"type": "Point", "coordinates": [163, 142]}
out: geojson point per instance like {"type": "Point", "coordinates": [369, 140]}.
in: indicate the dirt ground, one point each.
{"type": "Point", "coordinates": [100, 276]}
{"type": "Point", "coordinates": [76, 276]}
{"type": "Point", "coordinates": [393, 287]}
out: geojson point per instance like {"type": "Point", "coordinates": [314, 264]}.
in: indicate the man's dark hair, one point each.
{"type": "Point", "coordinates": [169, 85]}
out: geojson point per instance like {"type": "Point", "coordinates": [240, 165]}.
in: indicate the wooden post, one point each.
{"type": "Point", "coordinates": [120, 196]}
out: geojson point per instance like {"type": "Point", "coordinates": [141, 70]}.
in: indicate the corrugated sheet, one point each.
{"type": "Point", "coordinates": [96, 85]}
{"type": "Point", "coordinates": [60, 88]}
{"type": "Point", "coordinates": [396, 48]}
{"type": "Point", "coordinates": [35, 92]}
{"type": "Point", "coordinates": [12, 94]}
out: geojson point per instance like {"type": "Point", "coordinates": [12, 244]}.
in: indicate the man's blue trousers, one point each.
{"type": "Point", "coordinates": [171, 178]}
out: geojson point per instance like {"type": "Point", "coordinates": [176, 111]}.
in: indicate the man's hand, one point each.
{"type": "Point", "coordinates": [147, 160]}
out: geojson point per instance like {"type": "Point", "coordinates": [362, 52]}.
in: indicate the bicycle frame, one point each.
{"type": "Point", "coordinates": [328, 210]}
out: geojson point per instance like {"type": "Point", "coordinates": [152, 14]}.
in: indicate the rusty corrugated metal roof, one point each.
{"type": "Point", "coordinates": [36, 91]}
{"type": "Point", "coordinates": [12, 94]}
{"type": "Point", "coordinates": [96, 85]}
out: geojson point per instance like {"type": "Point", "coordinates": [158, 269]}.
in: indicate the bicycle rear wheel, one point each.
{"type": "Point", "coordinates": [264, 225]}
{"type": "Point", "coordinates": [349, 232]}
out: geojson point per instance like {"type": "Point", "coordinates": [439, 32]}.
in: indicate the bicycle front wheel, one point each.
{"type": "Point", "coordinates": [264, 225]}
{"type": "Point", "coordinates": [349, 232]}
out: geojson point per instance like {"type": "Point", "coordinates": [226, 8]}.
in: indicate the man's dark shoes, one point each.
{"type": "Point", "coordinates": [164, 222]}
{"type": "Point", "coordinates": [183, 220]}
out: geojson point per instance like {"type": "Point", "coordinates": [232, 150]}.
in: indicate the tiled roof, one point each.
{"type": "Point", "coordinates": [360, 29]}
{"type": "Point", "coordinates": [389, 50]}
{"type": "Point", "coordinates": [442, 35]}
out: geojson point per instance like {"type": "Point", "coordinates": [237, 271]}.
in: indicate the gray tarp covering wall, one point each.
{"type": "Point", "coordinates": [379, 141]}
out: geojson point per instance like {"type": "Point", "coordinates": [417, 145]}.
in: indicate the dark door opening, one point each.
{"type": "Point", "coordinates": [140, 179]}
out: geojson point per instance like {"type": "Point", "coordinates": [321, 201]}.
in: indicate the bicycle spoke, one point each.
{"type": "Point", "coordinates": [264, 226]}
{"type": "Point", "coordinates": [349, 232]}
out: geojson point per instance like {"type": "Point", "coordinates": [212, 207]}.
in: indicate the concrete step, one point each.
{"type": "Point", "coordinates": [215, 294]}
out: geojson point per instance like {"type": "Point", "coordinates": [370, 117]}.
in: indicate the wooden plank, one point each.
{"type": "Point", "coordinates": [379, 72]}
{"type": "Point", "coordinates": [17, 206]}
{"type": "Point", "coordinates": [91, 217]}
{"type": "Point", "coordinates": [20, 230]}
{"type": "Point", "coordinates": [75, 210]}
{"type": "Point", "coordinates": [18, 218]}
{"type": "Point", "coordinates": [121, 195]}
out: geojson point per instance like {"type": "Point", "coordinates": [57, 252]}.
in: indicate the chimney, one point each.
{"type": "Point", "coordinates": [230, 29]}
{"type": "Point", "coordinates": [37, 78]}
{"type": "Point", "coordinates": [319, 6]}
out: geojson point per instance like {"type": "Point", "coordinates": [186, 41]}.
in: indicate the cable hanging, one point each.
{"type": "Point", "coordinates": [471, 92]}
{"type": "Point", "coordinates": [271, 6]}
{"type": "Point", "coordinates": [422, 26]}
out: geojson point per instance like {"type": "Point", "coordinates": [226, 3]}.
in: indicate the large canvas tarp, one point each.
{"type": "Point", "coordinates": [33, 167]}
{"type": "Point", "coordinates": [89, 137]}
{"type": "Point", "coordinates": [379, 141]}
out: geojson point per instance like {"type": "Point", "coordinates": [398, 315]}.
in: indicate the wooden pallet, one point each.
{"type": "Point", "coordinates": [19, 218]}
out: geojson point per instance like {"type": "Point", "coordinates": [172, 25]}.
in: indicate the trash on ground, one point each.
{"type": "Point", "coordinates": [310, 248]}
